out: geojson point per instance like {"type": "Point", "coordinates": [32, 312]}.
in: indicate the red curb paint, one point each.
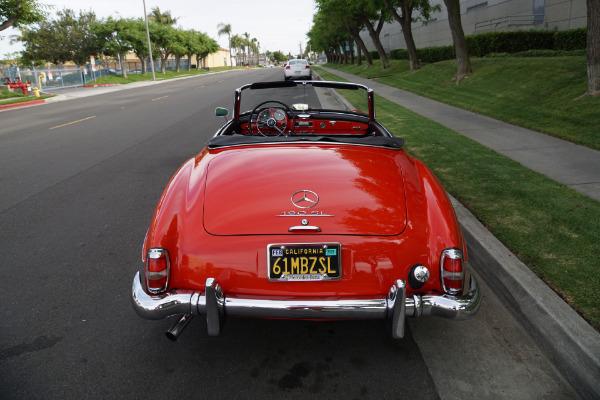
{"type": "Point", "coordinates": [102, 84]}
{"type": "Point", "coordinates": [23, 104]}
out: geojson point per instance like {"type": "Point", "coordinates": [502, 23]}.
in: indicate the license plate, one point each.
{"type": "Point", "coordinates": [305, 262]}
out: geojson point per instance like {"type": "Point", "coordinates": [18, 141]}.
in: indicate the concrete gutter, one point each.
{"type": "Point", "coordinates": [567, 339]}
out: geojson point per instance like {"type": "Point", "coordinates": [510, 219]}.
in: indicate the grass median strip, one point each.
{"type": "Point", "coordinates": [550, 227]}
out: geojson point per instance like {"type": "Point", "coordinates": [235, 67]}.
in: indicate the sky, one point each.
{"type": "Point", "coordinates": [277, 25]}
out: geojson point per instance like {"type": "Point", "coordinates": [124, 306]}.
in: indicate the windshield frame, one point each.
{"type": "Point", "coordinates": [324, 84]}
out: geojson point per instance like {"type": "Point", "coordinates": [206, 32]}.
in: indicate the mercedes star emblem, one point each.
{"type": "Point", "coordinates": [305, 199]}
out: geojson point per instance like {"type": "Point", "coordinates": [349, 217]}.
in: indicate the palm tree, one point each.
{"type": "Point", "coordinates": [254, 48]}
{"type": "Point", "coordinates": [246, 45]}
{"type": "Point", "coordinates": [162, 18]}
{"type": "Point", "coordinates": [237, 42]}
{"type": "Point", "coordinates": [225, 29]}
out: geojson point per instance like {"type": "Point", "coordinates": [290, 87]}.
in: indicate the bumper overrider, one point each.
{"type": "Point", "coordinates": [215, 306]}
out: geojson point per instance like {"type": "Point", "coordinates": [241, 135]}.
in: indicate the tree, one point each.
{"type": "Point", "coordinates": [67, 38]}
{"type": "Point", "coordinates": [237, 42]}
{"type": "Point", "coordinates": [593, 47]}
{"type": "Point", "coordinates": [19, 13]}
{"type": "Point", "coordinates": [114, 35]}
{"type": "Point", "coordinates": [225, 29]}
{"type": "Point", "coordinates": [278, 56]}
{"type": "Point", "coordinates": [405, 19]}
{"type": "Point", "coordinates": [206, 46]}
{"type": "Point", "coordinates": [246, 47]}
{"type": "Point", "coordinates": [368, 12]}
{"type": "Point", "coordinates": [179, 48]}
{"type": "Point", "coordinates": [136, 36]}
{"type": "Point", "coordinates": [162, 18]}
{"type": "Point", "coordinates": [163, 38]}
{"type": "Point", "coordinates": [463, 63]}
{"type": "Point", "coordinates": [335, 23]}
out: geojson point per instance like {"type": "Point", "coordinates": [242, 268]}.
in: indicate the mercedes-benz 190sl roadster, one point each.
{"type": "Point", "coordinates": [304, 206]}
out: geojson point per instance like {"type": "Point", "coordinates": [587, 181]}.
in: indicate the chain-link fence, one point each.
{"type": "Point", "coordinates": [57, 77]}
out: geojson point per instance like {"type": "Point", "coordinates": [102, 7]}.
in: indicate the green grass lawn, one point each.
{"type": "Point", "coordinates": [7, 97]}
{"type": "Point", "coordinates": [550, 227]}
{"type": "Point", "coordinates": [539, 93]}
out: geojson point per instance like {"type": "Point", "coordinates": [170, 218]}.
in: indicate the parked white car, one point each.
{"type": "Point", "coordinates": [297, 69]}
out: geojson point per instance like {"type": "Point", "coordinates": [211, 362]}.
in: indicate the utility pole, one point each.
{"type": "Point", "coordinates": [148, 37]}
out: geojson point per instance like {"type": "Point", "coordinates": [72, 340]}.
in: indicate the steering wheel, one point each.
{"type": "Point", "coordinates": [271, 122]}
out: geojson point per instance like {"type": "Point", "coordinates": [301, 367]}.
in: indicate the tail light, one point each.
{"type": "Point", "coordinates": [157, 270]}
{"type": "Point", "coordinates": [452, 271]}
{"type": "Point", "coordinates": [307, 66]}
{"type": "Point", "coordinates": [287, 67]}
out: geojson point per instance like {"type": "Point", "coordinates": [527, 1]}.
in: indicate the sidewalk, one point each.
{"type": "Point", "coordinates": [566, 338]}
{"type": "Point", "coordinates": [572, 165]}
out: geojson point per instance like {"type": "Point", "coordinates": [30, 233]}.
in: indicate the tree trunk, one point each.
{"type": "Point", "coordinates": [351, 44]}
{"type": "Point", "coordinates": [123, 65]}
{"type": "Point", "coordinates": [405, 21]}
{"type": "Point", "coordinates": [358, 55]}
{"type": "Point", "coordinates": [374, 33]}
{"type": "Point", "coordinates": [463, 63]}
{"type": "Point", "coordinates": [593, 47]}
{"type": "Point", "coordinates": [344, 51]}
{"type": "Point", "coordinates": [189, 68]}
{"type": "Point", "coordinates": [143, 62]}
{"type": "Point", "coordinates": [163, 60]}
{"type": "Point", "coordinates": [361, 45]}
{"type": "Point", "coordinates": [178, 62]}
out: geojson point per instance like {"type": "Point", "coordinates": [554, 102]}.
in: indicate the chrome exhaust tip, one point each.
{"type": "Point", "coordinates": [178, 327]}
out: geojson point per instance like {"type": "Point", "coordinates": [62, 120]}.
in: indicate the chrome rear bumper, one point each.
{"type": "Point", "coordinates": [216, 305]}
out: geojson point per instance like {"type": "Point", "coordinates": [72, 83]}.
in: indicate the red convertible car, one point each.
{"type": "Point", "coordinates": [304, 206]}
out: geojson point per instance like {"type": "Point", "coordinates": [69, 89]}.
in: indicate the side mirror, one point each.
{"type": "Point", "coordinates": [221, 112]}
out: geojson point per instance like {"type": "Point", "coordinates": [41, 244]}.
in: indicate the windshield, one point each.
{"type": "Point", "coordinates": [304, 95]}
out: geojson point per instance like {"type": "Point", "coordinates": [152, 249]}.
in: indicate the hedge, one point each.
{"type": "Point", "coordinates": [573, 39]}
{"type": "Point", "coordinates": [480, 45]}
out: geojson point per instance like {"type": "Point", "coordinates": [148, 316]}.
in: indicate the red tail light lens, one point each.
{"type": "Point", "coordinates": [287, 67]}
{"type": "Point", "coordinates": [157, 270]}
{"type": "Point", "coordinates": [307, 66]}
{"type": "Point", "coordinates": [452, 271]}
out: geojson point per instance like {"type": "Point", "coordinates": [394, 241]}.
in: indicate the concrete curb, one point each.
{"type": "Point", "coordinates": [567, 339]}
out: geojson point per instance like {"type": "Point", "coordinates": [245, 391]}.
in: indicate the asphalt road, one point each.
{"type": "Point", "coordinates": [80, 180]}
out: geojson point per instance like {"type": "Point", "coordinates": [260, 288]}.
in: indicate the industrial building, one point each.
{"type": "Point", "coordinates": [479, 16]}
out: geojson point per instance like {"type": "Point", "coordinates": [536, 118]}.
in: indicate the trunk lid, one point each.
{"type": "Point", "coordinates": [348, 190]}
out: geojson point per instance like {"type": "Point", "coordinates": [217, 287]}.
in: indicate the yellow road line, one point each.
{"type": "Point", "coordinates": [158, 98]}
{"type": "Point", "coordinates": [74, 122]}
